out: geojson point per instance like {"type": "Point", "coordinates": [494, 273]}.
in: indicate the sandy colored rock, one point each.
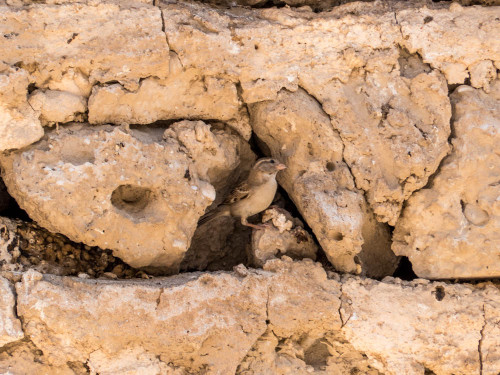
{"type": "Point", "coordinates": [267, 50]}
{"type": "Point", "coordinates": [285, 236]}
{"type": "Point", "coordinates": [58, 106]}
{"type": "Point", "coordinates": [407, 327]}
{"type": "Point", "coordinates": [287, 318]}
{"type": "Point", "coordinates": [129, 191]}
{"type": "Point", "coordinates": [19, 124]}
{"type": "Point", "coordinates": [451, 229]}
{"type": "Point", "coordinates": [106, 42]}
{"type": "Point", "coordinates": [296, 130]}
{"type": "Point", "coordinates": [23, 357]}
{"type": "Point", "coordinates": [395, 132]}
{"type": "Point", "coordinates": [10, 326]}
{"type": "Point", "coordinates": [187, 94]}
{"type": "Point", "coordinates": [454, 40]}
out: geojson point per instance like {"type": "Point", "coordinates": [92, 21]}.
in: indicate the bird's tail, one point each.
{"type": "Point", "coordinates": [212, 215]}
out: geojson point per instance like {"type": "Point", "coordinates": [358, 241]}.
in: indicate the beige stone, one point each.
{"type": "Point", "coordinates": [188, 94]}
{"type": "Point", "coordinates": [285, 236]}
{"type": "Point", "coordinates": [58, 106]}
{"type": "Point", "coordinates": [453, 40]}
{"type": "Point", "coordinates": [287, 318]}
{"type": "Point", "coordinates": [19, 124]}
{"type": "Point", "coordinates": [296, 130]}
{"type": "Point", "coordinates": [451, 229]}
{"type": "Point", "coordinates": [130, 191]}
{"type": "Point", "coordinates": [407, 327]}
{"type": "Point", "coordinates": [106, 42]}
{"type": "Point", "coordinates": [395, 132]}
{"type": "Point", "coordinates": [10, 326]}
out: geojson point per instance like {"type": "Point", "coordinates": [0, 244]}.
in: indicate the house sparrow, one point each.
{"type": "Point", "coordinates": [252, 196]}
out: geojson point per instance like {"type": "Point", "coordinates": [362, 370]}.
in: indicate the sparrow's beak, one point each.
{"type": "Point", "coordinates": [280, 167]}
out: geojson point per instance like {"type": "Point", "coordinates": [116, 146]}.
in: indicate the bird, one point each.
{"type": "Point", "coordinates": [252, 196]}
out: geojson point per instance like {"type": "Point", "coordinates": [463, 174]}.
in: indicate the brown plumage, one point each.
{"type": "Point", "coordinates": [252, 196]}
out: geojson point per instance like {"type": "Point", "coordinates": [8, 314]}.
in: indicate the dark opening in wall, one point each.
{"type": "Point", "coordinates": [8, 205]}
{"type": "Point", "coordinates": [405, 270]}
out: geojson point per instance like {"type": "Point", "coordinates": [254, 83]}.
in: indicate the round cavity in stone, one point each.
{"type": "Point", "coordinates": [131, 199]}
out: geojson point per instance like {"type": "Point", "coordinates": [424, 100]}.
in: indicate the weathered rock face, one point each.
{"type": "Point", "coordinates": [457, 42]}
{"type": "Point", "coordinates": [130, 191]}
{"type": "Point", "coordinates": [10, 326]}
{"type": "Point", "coordinates": [288, 317]}
{"type": "Point", "coordinates": [184, 94]}
{"type": "Point", "coordinates": [395, 131]}
{"type": "Point", "coordinates": [296, 130]}
{"type": "Point", "coordinates": [285, 236]}
{"type": "Point", "coordinates": [58, 106]}
{"type": "Point", "coordinates": [443, 325]}
{"type": "Point", "coordinates": [451, 229]}
{"type": "Point", "coordinates": [19, 124]}
{"type": "Point", "coordinates": [107, 42]}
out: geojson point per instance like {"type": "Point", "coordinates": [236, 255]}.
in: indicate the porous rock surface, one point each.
{"type": "Point", "coordinates": [10, 326]}
{"type": "Point", "coordinates": [289, 317]}
{"type": "Point", "coordinates": [451, 229]}
{"type": "Point", "coordinates": [285, 235]}
{"type": "Point", "coordinates": [136, 192]}
{"type": "Point", "coordinates": [296, 130]}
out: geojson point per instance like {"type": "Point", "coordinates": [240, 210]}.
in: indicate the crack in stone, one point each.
{"type": "Point", "coordinates": [480, 343]}
{"type": "Point", "coordinates": [158, 299]}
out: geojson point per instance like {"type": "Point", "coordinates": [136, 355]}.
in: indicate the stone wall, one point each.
{"type": "Point", "coordinates": [122, 123]}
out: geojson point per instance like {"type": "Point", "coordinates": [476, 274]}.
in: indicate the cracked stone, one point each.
{"type": "Point", "coordinates": [135, 193]}
{"type": "Point", "coordinates": [296, 130]}
{"type": "Point", "coordinates": [10, 326]}
{"type": "Point", "coordinates": [451, 229]}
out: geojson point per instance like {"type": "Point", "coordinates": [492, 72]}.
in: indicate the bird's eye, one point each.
{"type": "Point", "coordinates": [272, 161]}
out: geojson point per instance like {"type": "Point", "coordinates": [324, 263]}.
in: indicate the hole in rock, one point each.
{"type": "Point", "coordinates": [317, 354]}
{"type": "Point", "coordinates": [8, 205]}
{"type": "Point", "coordinates": [338, 236]}
{"type": "Point", "coordinates": [131, 199]}
{"type": "Point", "coordinates": [439, 293]}
{"type": "Point", "coordinates": [330, 166]}
{"type": "Point", "coordinates": [411, 65]}
{"type": "Point", "coordinates": [405, 270]}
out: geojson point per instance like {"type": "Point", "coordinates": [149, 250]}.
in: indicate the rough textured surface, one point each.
{"type": "Point", "coordinates": [285, 236]}
{"type": "Point", "coordinates": [19, 124]}
{"type": "Point", "coordinates": [395, 131]}
{"type": "Point", "coordinates": [185, 94]}
{"type": "Point", "coordinates": [10, 326]}
{"type": "Point", "coordinates": [296, 130]}
{"type": "Point", "coordinates": [451, 229]}
{"type": "Point", "coordinates": [25, 245]}
{"type": "Point", "coordinates": [130, 191]}
{"type": "Point", "coordinates": [442, 325]}
{"type": "Point", "coordinates": [288, 318]}
{"type": "Point", "coordinates": [106, 42]}
{"type": "Point", "coordinates": [458, 42]}
{"type": "Point", "coordinates": [58, 106]}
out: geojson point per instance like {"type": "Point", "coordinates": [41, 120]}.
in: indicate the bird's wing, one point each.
{"type": "Point", "coordinates": [239, 193]}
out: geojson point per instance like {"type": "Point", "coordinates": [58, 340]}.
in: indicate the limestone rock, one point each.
{"type": "Point", "coordinates": [286, 236]}
{"type": "Point", "coordinates": [298, 132]}
{"type": "Point", "coordinates": [10, 326]}
{"type": "Point", "coordinates": [25, 358]}
{"type": "Point", "coordinates": [395, 131]}
{"type": "Point", "coordinates": [187, 94]}
{"type": "Point", "coordinates": [106, 42]}
{"type": "Point", "coordinates": [454, 40]}
{"type": "Point", "coordinates": [451, 229]}
{"type": "Point", "coordinates": [19, 124]}
{"type": "Point", "coordinates": [129, 191]}
{"type": "Point", "coordinates": [58, 106]}
{"type": "Point", "coordinates": [289, 316]}
{"type": "Point", "coordinates": [442, 325]}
